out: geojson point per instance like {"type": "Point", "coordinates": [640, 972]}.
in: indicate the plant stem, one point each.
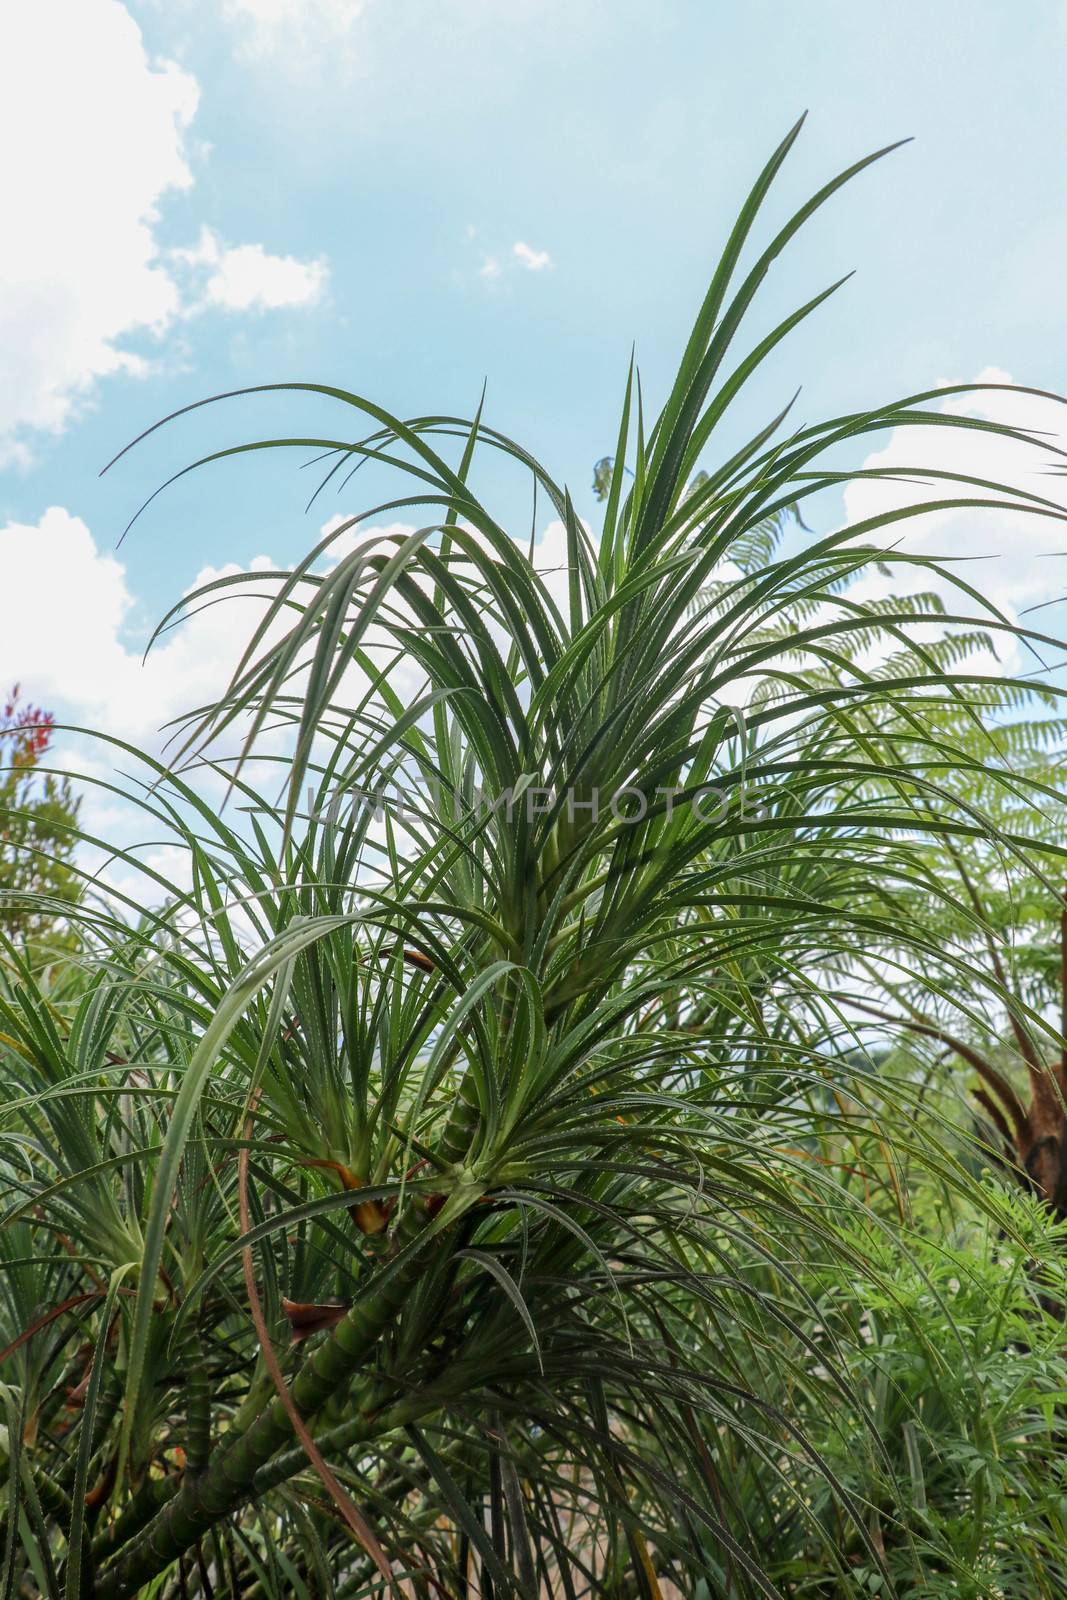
{"type": "Point", "coordinates": [205, 1499]}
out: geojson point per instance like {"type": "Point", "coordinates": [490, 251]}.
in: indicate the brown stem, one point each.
{"type": "Point", "coordinates": [994, 1080]}
{"type": "Point", "coordinates": [1022, 1037]}
{"type": "Point", "coordinates": [995, 1115]}
{"type": "Point", "coordinates": [1063, 992]}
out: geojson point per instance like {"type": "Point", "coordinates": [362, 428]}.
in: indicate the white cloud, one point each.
{"type": "Point", "coordinates": [1014, 559]}
{"type": "Point", "coordinates": [69, 649]}
{"type": "Point", "coordinates": [66, 641]}
{"type": "Point", "coordinates": [248, 278]}
{"type": "Point", "coordinates": [497, 264]}
{"type": "Point", "coordinates": [532, 260]}
{"type": "Point", "coordinates": [95, 138]}
{"type": "Point", "coordinates": [269, 25]}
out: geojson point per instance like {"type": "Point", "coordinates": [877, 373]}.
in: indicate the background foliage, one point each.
{"type": "Point", "coordinates": [38, 823]}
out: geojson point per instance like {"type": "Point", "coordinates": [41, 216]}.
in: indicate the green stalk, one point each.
{"type": "Point", "coordinates": [231, 1477]}
{"type": "Point", "coordinates": [197, 1407]}
{"type": "Point", "coordinates": [55, 1502]}
{"type": "Point", "coordinates": [228, 1480]}
{"type": "Point", "coordinates": [139, 1509]}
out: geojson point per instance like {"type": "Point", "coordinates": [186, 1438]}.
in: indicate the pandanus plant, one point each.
{"type": "Point", "coordinates": [413, 1203]}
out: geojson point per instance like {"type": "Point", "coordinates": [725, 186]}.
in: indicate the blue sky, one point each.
{"type": "Point", "coordinates": [336, 190]}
